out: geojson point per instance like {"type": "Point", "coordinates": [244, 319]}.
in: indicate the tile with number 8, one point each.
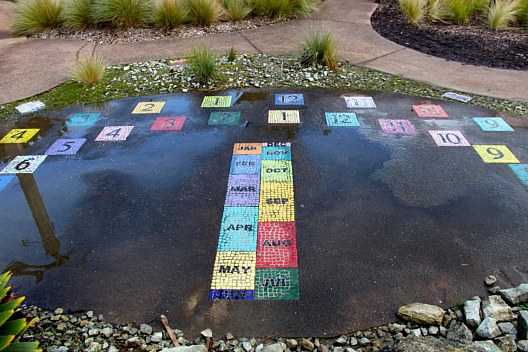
{"type": "Point", "coordinates": [65, 146]}
{"type": "Point", "coordinates": [19, 135]}
{"type": "Point", "coordinates": [114, 133]}
{"type": "Point", "coordinates": [496, 154]}
{"type": "Point", "coordinates": [170, 123]}
{"type": "Point", "coordinates": [23, 164]}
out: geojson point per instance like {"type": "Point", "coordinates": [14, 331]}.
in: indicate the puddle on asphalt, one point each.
{"type": "Point", "coordinates": [124, 213]}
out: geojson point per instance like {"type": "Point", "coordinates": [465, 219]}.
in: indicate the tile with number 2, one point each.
{"type": "Point", "coordinates": [150, 107]}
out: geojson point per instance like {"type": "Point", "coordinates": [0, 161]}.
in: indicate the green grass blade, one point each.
{"type": "Point", "coordinates": [5, 341]}
{"type": "Point", "coordinates": [24, 347]}
{"type": "Point", "coordinates": [4, 278]}
{"type": "Point", "coordinates": [11, 305]}
{"type": "Point", "coordinates": [13, 327]}
{"type": "Point", "coordinates": [4, 316]}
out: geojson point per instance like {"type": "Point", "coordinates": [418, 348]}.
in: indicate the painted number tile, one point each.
{"type": "Point", "coordinates": [239, 230]}
{"type": "Point", "coordinates": [341, 119]}
{"type": "Point", "coordinates": [276, 171]}
{"type": "Point", "coordinates": [24, 164]}
{"type": "Point", "coordinates": [19, 135]}
{"type": "Point", "coordinates": [289, 99]}
{"type": "Point", "coordinates": [4, 181]}
{"type": "Point", "coordinates": [224, 118]}
{"type": "Point", "coordinates": [449, 138]}
{"type": "Point", "coordinates": [493, 124]}
{"type": "Point", "coordinates": [65, 146]}
{"type": "Point", "coordinates": [521, 171]}
{"type": "Point", "coordinates": [284, 116]}
{"type": "Point", "coordinates": [496, 154]}
{"type": "Point", "coordinates": [430, 111]}
{"type": "Point", "coordinates": [396, 126]}
{"type": "Point", "coordinates": [360, 103]}
{"type": "Point", "coordinates": [245, 164]}
{"type": "Point", "coordinates": [276, 153]}
{"type": "Point", "coordinates": [86, 119]}
{"type": "Point", "coordinates": [170, 123]}
{"type": "Point", "coordinates": [220, 101]}
{"type": "Point", "coordinates": [114, 133]}
{"type": "Point", "coordinates": [150, 107]}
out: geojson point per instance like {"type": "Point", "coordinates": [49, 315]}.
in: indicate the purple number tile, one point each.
{"type": "Point", "coordinates": [65, 146]}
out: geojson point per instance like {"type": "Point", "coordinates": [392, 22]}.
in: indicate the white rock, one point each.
{"type": "Point", "coordinates": [246, 345]}
{"type": "Point", "coordinates": [507, 328]}
{"type": "Point", "coordinates": [522, 345]}
{"type": "Point", "coordinates": [157, 337]}
{"type": "Point", "coordinates": [487, 346]}
{"type": "Point", "coordinates": [514, 296]}
{"type": "Point", "coordinates": [422, 313]}
{"type": "Point", "coordinates": [490, 280]}
{"type": "Point", "coordinates": [276, 347]}
{"type": "Point", "coordinates": [107, 332]}
{"type": "Point", "coordinates": [495, 307]}
{"type": "Point", "coordinates": [195, 348]}
{"type": "Point", "coordinates": [145, 329]}
{"type": "Point", "coordinates": [433, 330]}
{"type": "Point", "coordinates": [207, 333]}
{"type": "Point", "coordinates": [472, 313]}
{"type": "Point", "coordinates": [94, 347]}
{"type": "Point", "coordinates": [506, 343]}
{"type": "Point", "coordinates": [416, 332]}
{"type": "Point", "coordinates": [488, 329]}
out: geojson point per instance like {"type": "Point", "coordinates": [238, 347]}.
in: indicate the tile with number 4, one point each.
{"type": "Point", "coordinates": [114, 133]}
{"type": "Point", "coordinates": [171, 123]}
{"type": "Point", "coordinates": [86, 119]}
{"type": "Point", "coordinates": [4, 181]}
{"type": "Point", "coordinates": [430, 111]}
{"type": "Point", "coordinates": [390, 126]}
{"type": "Point", "coordinates": [449, 138]}
{"type": "Point", "coordinates": [151, 107]}
{"type": "Point", "coordinates": [521, 171]}
{"type": "Point", "coordinates": [23, 164]}
{"type": "Point", "coordinates": [19, 135]}
{"type": "Point", "coordinates": [496, 154]}
{"type": "Point", "coordinates": [493, 124]}
{"type": "Point", "coordinates": [65, 146]}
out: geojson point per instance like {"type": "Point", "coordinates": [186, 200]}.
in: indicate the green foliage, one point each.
{"type": "Point", "coordinates": [319, 48]}
{"type": "Point", "coordinates": [204, 12]}
{"type": "Point", "coordinates": [231, 54]}
{"type": "Point", "coordinates": [78, 14]}
{"type": "Point", "coordinates": [121, 14]}
{"type": "Point", "coordinates": [203, 64]}
{"type": "Point", "coordinates": [12, 323]}
{"type": "Point", "coordinates": [304, 7]}
{"type": "Point", "coordinates": [236, 10]}
{"type": "Point", "coordinates": [522, 11]}
{"type": "Point", "coordinates": [437, 10]}
{"type": "Point", "coordinates": [414, 10]}
{"type": "Point", "coordinates": [89, 70]}
{"type": "Point", "coordinates": [35, 16]}
{"type": "Point", "coordinates": [501, 14]}
{"type": "Point", "coordinates": [462, 10]}
{"type": "Point", "coordinates": [169, 14]}
{"type": "Point", "coordinates": [277, 8]}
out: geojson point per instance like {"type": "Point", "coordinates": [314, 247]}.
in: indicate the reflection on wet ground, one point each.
{"type": "Point", "coordinates": [126, 222]}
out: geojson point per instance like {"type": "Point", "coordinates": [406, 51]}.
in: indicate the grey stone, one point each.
{"type": "Point", "coordinates": [207, 333]}
{"type": "Point", "coordinates": [364, 341]}
{"type": "Point", "coordinates": [522, 345]}
{"type": "Point", "coordinates": [156, 337]}
{"type": "Point", "coordinates": [422, 313]}
{"type": "Point", "coordinates": [459, 332]}
{"type": "Point", "coordinates": [472, 313]}
{"type": "Point", "coordinates": [229, 336]}
{"type": "Point", "coordinates": [324, 348]}
{"type": "Point", "coordinates": [488, 329]}
{"type": "Point", "coordinates": [416, 332]}
{"type": "Point", "coordinates": [112, 349]}
{"type": "Point", "coordinates": [339, 349]}
{"type": "Point", "coordinates": [195, 348]}
{"type": "Point", "coordinates": [353, 341]}
{"type": "Point", "coordinates": [515, 296]}
{"type": "Point", "coordinates": [292, 343]}
{"type": "Point", "coordinates": [424, 331]}
{"type": "Point", "coordinates": [507, 328]}
{"type": "Point", "coordinates": [495, 307]}
{"type": "Point", "coordinates": [506, 343]}
{"type": "Point", "coordinates": [58, 311]}
{"type": "Point", "coordinates": [429, 344]}
{"type": "Point", "coordinates": [107, 332]}
{"type": "Point", "coordinates": [133, 331]}
{"type": "Point", "coordinates": [487, 346]}
{"type": "Point", "coordinates": [490, 280]}
{"type": "Point", "coordinates": [433, 330]}
{"type": "Point", "coordinates": [60, 349]}
{"type": "Point", "coordinates": [90, 314]}
{"type": "Point", "coordinates": [134, 342]}
{"type": "Point", "coordinates": [341, 340]}
{"type": "Point", "coordinates": [396, 328]}
{"type": "Point", "coordinates": [494, 290]}
{"type": "Point", "coordinates": [522, 325]}
{"type": "Point", "coordinates": [94, 347]}
{"type": "Point", "coordinates": [276, 347]}
{"type": "Point", "coordinates": [259, 348]}
{"type": "Point", "coordinates": [307, 345]}
{"type": "Point", "coordinates": [246, 345]}
{"type": "Point", "coordinates": [93, 332]}
{"type": "Point", "coordinates": [145, 329]}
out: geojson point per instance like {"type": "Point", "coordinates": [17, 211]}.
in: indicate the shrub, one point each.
{"type": "Point", "coordinates": [522, 11]}
{"type": "Point", "coordinates": [13, 323]}
{"type": "Point", "coordinates": [318, 48]}
{"type": "Point", "coordinates": [204, 12]}
{"type": "Point", "coordinates": [121, 13]}
{"type": "Point", "coordinates": [169, 14]}
{"type": "Point", "coordinates": [203, 64]}
{"type": "Point", "coordinates": [277, 8]}
{"type": "Point", "coordinates": [501, 14]}
{"type": "Point", "coordinates": [257, 7]}
{"type": "Point", "coordinates": [304, 7]}
{"type": "Point", "coordinates": [35, 16]}
{"type": "Point", "coordinates": [437, 11]}
{"type": "Point", "coordinates": [231, 54]}
{"type": "Point", "coordinates": [89, 70]}
{"type": "Point", "coordinates": [78, 14]}
{"type": "Point", "coordinates": [236, 10]}
{"type": "Point", "coordinates": [461, 10]}
{"type": "Point", "coordinates": [414, 10]}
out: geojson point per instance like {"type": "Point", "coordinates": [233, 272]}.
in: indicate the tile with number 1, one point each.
{"type": "Point", "coordinates": [114, 133]}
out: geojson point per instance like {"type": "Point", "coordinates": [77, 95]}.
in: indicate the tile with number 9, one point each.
{"type": "Point", "coordinates": [23, 164]}
{"type": "Point", "coordinates": [19, 135]}
{"type": "Point", "coordinates": [496, 154]}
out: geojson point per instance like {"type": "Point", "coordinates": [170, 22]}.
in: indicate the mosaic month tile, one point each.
{"type": "Point", "coordinates": [276, 202]}
{"type": "Point", "coordinates": [234, 271]}
{"type": "Point", "coordinates": [277, 245]}
{"type": "Point", "coordinates": [277, 284]}
{"type": "Point", "coordinates": [276, 171]}
{"type": "Point", "coordinates": [235, 295]}
{"type": "Point", "coordinates": [238, 232]}
{"type": "Point", "coordinates": [247, 148]}
{"type": "Point", "coordinates": [276, 153]}
{"type": "Point", "coordinates": [243, 190]}
{"type": "Point", "coordinates": [245, 164]}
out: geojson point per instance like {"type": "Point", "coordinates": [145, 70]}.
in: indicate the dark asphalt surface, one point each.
{"type": "Point", "coordinates": [129, 229]}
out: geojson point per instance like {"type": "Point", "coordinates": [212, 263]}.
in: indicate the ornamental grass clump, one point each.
{"type": "Point", "coordinates": [204, 12]}
{"type": "Point", "coordinates": [461, 10]}
{"type": "Point", "coordinates": [236, 10]}
{"type": "Point", "coordinates": [169, 14]}
{"type": "Point", "coordinates": [231, 54]}
{"type": "Point", "coordinates": [203, 64]}
{"type": "Point", "coordinates": [121, 14]}
{"type": "Point", "coordinates": [501, 14]}
{"type": "Point", "coordinates": [318, 48]}
{"type": "Point", "coordinates": [522, 11]}
{"type": "Point", "coordinates": [89, 70]}
{"type": "Point", "coordinates": [414, 10]}
{"type": "Point", "coordinates": [277, 8]}
{"type": "Point", "coordinates": [13, 323]}
{"type": "Point", "coordinates": [437, 11]}
{"type": "Point", "coordinates": [78, 14]}
{"type": "Point", "coordinates": [35, 16]}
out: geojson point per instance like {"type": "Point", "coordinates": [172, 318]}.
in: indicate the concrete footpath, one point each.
{"type": "Point", "coordinates": [32, 66]}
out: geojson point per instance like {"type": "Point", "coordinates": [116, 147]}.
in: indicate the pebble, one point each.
{"type": "Point", "coordinates": [145, 329]}
{"type": "Point", "coordinates": [247, 346]}
{"type": "Point", "coordinates": [307, 345]}
{"type": "Point", "coordinates": [364, 341]}
{"type": "Point", "coordinates": [229, 336]}
{"type": "Point", "coordinates": [490, 280]}
{"type": "Point", "coordinates": [292, 344]}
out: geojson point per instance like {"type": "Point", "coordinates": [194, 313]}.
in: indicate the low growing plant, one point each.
{"type": "Point", "coordinates": [461, 10]}
{"type": "Point", "coordinates": [231, 54]}
{"type": "Point", "coordinates": [89, 70]}
{"type": "Point", "coordinates": [277, 8]}
{"type": "Point", "coordinates": [501, 13]}
{"type": "Point", "coordinates": [121, 14]}
{"type": "Point", "coordinates": [203, 64]}
{"type": "Point", "coordinates": [204, 12]}
{"type": "Point", "coordinates": [78, 14]}
{"type": "Point", "coordinates": [319, 48]}
{"type": "Point", "coordinates": [437, 11]}
{"type": "Point", "coordinates": [414, 10]}
{"type": "Point", "coordinates": [35, 16]}
{"type": "Point", "coordinates": [236, 10]}
{"type": "Point", "coordinates": [169, 14]}
{"type": "Point", "coordinates": [13, 323]}
{"type": "Point", "coordinates": [522, 11]}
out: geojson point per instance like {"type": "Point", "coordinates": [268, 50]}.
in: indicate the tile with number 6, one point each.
{"type": "Point", "coordinates": [19, 135]}
{"type": "Point", "coordinates": [114, 133]}
{"type": "Point", "coordinates": [65, 146]}
{"type": "Point", "coordinates": [170, 123]}
{"type": "Point", "coordinates": [23, 164]}
{"type": "Point", "coordinates": [496, 154]}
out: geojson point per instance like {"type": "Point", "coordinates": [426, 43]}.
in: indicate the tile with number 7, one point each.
{"type": "Point", "coordinates": [170, 123]}
{"type": "Point", "coordinates": [65, 146]}
{"type": "Point", "coordinates": [430, 111]}
{"type": "Point", "coordinates": [496, 154]}
{"type": "Point", "coordinates": [114, 133]}
{"type": "Point", "coordinates": [23, 164]}
{"type": "Point", "coordinates": [19, 135]}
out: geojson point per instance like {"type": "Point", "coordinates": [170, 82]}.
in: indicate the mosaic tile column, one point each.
{"type": "Point", "coordinates": [257, 252]}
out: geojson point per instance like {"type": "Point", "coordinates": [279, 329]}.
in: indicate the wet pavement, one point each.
{"type": "Point", "coordinates": [128, 215]}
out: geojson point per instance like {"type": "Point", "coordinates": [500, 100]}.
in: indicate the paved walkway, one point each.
{"type": "Point", "coordinates": [31, 66]}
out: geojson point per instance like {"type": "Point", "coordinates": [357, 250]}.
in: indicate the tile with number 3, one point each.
{"type": "Point", "coordinates": [86, 119]}
{"type": "Point", "coordinates": [449, 138]}
{"type": "Point", "coordinates": [114, 133]}
{"type": "Point", "coordinates": [496, 154]}
{"type": "Point", "coordinates": [170, 123]}
{"type": "Point", "coordinates": [23, 164]}
{"type": "Point", "coordinates": [65, 146]}
{"type": "Point", "coordinates": [19, 135]}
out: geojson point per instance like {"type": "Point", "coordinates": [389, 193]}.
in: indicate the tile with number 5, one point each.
{"type": "Point", "coordinates": [170, 123]}
{"type": "Point", "coordinates": [23, 164]}
{"type": "Point", "coordinates": [114, 133]}
{"type": "Point", "coordinates": [65, 146]}
{"type": "Point", "coordinates": [496, 154]}
{"type": "Point", "coordinates": [19, 135]}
